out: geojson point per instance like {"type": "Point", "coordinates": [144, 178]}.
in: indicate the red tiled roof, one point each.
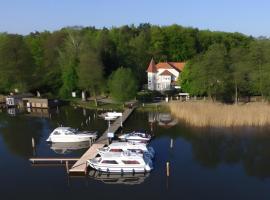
{"type": "Point", "coordinates": [166, 73]}
{"type": "Point", "coordinates": [178, 65]}
{"type": "Point", "coordinates": [152, 66]}
{"type": "Point", "coordinates": [163, 65]}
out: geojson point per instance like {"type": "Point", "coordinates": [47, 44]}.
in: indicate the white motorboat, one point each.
{"type": "Point", "coordinates": [110, 118]}
{"type": "Point", "coordinates": [119, 147]}
{"type": "Point", "coordinates": [136, 137]}
{"type": "Point", "coordinates": [125, 162]}
{"type": "Point", "coordinates": [67, 134]}
{"type": "Point", "coordinates": [111, 115]}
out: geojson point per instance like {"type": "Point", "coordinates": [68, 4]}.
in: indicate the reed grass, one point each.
{"type": "Point", "coordinates": [203, 114]}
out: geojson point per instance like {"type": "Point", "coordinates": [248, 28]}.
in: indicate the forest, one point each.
{"type": "Point", "coordinates": [220, 65]}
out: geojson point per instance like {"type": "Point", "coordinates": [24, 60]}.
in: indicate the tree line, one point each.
{"type": "Point", "coordinates": [87, 58]}
{"type": "Point", "coordinates": [229, 73]}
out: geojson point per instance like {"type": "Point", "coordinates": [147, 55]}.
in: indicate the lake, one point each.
{"type": "Point", "coordinates": [204, 163]}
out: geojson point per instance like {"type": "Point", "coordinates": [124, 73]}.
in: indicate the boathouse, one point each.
{"type": "Point", "coordinates": [40, 102]}
{"type": "Point", "coordinates": [17, 99]}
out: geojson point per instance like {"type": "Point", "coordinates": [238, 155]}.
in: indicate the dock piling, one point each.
{"type": "Point", "coordinates": [171, 145]}
{"type": "Point", "coordinates": [67, 168]}
{"type": "Point", "coordinates": [168, 169]}
{"type": "Point", "coordinates": [33, 142]}
{"type": "Point", "coordinates": [85, 170]}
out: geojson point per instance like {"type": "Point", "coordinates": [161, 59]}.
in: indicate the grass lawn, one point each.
{"type": "Point", "coordinates": [101, 106]}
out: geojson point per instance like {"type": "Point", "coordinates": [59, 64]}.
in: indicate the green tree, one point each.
{"type": "Point", "coordinates": [207, 73]}
{"type": "Point", "coordinates": [239, 69]}
{"type": "Point", "coordinates": [90, 73]}
{"type": "Point", "coordinates": [16, 64]}
{"type": "Point", "coordinates": [123, 85]}
{"type": "Point", "coordinates": [259, 58]}
{"type": "Point", "coordinates": [69, 61]}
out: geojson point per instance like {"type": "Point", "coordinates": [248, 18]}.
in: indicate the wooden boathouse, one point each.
{"type": "Point", "coordinates": [40, 102]}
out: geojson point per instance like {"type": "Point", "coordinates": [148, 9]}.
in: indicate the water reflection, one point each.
{"type": "Point", "coordinates": [247, 146]}
{"type": "Point", "coordinates": [19, 126]}
{"type": "Point", "coordinates": [126, 179]}
{"type": "Point", "coordinates": [66, 148]}
{"type": "Point", "coordinates": [162, 119]}
{"type": "Point", "coordinates": [15, 111]}
{"type": "Point", "coordinates": [17, 134]}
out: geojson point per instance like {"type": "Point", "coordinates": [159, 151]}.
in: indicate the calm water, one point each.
{"type": "Point", "coordinates": [205, 163]}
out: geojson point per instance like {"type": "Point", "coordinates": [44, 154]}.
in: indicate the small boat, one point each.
{"type": "Point", "coordinates": [136, 137]}
{"type": "Point", "coordinates": [111, 115]}
{"type": "Point", "coordinates": [110, 118]}
{"type": "Point", "coordinates": [119, 147]}
{"type": "Point", "coordinates": [121, 163]}
{"type": "Point", "coordinates": [67, 134]}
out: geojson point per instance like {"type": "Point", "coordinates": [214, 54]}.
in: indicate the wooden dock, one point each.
{"type": "Point", "coordinates": [61, 160]}
{"type": "Point", "coordinates": [81, 165]}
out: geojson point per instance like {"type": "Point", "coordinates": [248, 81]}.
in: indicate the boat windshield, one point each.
{"type": "Point", "coordinates": [71, 131]}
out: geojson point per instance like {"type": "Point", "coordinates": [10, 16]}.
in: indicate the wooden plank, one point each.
{"type": "Point", "coordinates": [80, 165]}
{"type": "Point", "coordinates": [52, 159]}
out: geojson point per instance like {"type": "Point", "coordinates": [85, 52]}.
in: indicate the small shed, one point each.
{"type": "Point", "coordinates": [184, 95]}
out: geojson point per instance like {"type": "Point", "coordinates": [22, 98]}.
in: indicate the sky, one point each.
{"type": "Point", "coordinates": [250, 17]}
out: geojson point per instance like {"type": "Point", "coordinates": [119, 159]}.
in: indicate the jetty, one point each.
{"type": "Point", "coordinates": [80, 167]}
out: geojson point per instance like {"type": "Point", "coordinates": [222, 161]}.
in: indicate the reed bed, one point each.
{"type": "Point", "coordinates": [203, 114]}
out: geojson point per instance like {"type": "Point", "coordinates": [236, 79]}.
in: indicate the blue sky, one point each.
{"type": "Point", "coordinates": [250, 17]}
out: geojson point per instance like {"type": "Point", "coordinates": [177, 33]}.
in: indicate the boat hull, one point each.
{"type": "Point", "coordinates": [129, 169]}
{"type": "Point", "coordinates": [69, 139]}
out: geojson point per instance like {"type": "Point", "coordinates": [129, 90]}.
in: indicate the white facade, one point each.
{"type": "Point", "coordinates": [151, 81]}
{"type": "Point", "coordinates": [160, 82]}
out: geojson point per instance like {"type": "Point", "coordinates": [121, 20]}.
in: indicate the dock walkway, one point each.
{"type": "Point", "coordinates": [81, 165]}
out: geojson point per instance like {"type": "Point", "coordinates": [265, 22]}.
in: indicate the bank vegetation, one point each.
{"type": "Point", "coordinates": [210, 114]}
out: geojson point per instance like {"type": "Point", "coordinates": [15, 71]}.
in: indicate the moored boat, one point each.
{"type": "Point", "coordinates": [136, 137]}
{"type": "Point", "coordinates": [119, 147]}
{"type": "Point", "coordinates": [121, 163]}
{"type": "Point", "coordinates": [67, 134]}
{"type": "Point", "coordinates": [110, 115]}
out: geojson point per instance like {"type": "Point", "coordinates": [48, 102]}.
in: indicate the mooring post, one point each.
{"type": "Point", "coordinates": [171, 145]}
{"type": "Point", "coordinates": [121, 121]}
{"type": "Point", "coordinates": [90, 141]}
{"type": "Point", "coordinates": [85, 170]}
{"type": "Point", "coordinates": [33, 142]}
{"type": "Point", "coordinates": [33, 146]}
{"type": "Point", "coordinates": [67, 167]}
{"type": "Point", "coordinates": [168, 169]}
